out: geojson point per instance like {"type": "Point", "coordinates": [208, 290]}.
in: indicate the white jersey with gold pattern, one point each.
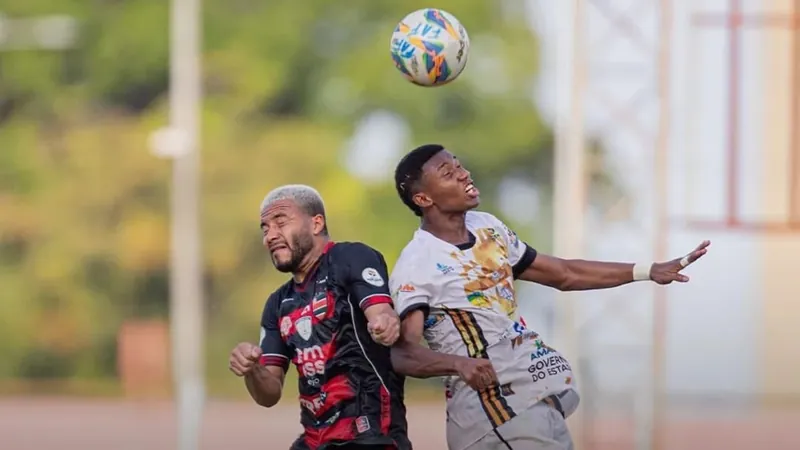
{"type": "Point", "coordinates": [467, 295]}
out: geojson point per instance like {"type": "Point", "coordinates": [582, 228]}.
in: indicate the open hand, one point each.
{"type": "Point", "coordinates": [478, 373]}
{"type": "Point", "coordinates": [385, 329]}
{"type": "Point", "coordinates": [667, 272]}
{"type": "Point", "coordinates": [244, 357]}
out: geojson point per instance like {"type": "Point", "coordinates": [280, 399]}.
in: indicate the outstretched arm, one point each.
{"type": "Point", "coordinates": [581, 275]}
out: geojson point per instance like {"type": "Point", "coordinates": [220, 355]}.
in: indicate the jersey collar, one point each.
{"type": "Point", "coordinates": [312, 274]}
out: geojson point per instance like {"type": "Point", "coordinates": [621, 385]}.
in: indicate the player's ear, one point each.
{"type": "Point", "coordinates": [422, 200]}
{"type": "Point", "coordinates": [317, 224]}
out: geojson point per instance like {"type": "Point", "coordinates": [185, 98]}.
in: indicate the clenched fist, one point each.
{"type": "Point", "coordinates": [478, 373]}
{"type": "Point", "coordinates": [244, 358]}
{"type": "Point", "coordinates": [384, 328]}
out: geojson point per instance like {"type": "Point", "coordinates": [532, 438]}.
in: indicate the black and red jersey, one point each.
{"type": "Point", "coordinates": [348, 391]}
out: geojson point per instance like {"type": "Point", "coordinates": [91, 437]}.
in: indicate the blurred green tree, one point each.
{"type": "Point", "coordinates": [84, 235]}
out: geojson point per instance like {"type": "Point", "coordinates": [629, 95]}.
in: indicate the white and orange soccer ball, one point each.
{"type": "Point", "coordinates": [430, 47]}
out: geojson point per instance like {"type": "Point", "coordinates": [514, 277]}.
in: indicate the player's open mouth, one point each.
{"type": "Point", "coordinates": [472, 191]}
{"type": "Point", "coordinates": [277, 247]}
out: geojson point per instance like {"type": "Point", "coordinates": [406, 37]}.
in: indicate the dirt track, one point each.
{"type": "Point", "coordinates": [113, 425]}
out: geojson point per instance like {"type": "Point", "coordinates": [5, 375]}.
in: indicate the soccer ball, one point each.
{"type": "Point", "coordinates": [430, 47]}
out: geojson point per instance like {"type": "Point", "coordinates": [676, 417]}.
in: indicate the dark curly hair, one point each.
{"type": "Point", "coordinates": [409, 172]}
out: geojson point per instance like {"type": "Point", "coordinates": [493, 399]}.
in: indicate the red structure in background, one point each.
{"type": "Point", "coordinates": [734, 21]}
{"type": "Point", "coordinates": [648, 70]}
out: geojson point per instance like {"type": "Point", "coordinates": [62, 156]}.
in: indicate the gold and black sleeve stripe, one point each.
{"type": "Point", "coordinates": [493, 403]}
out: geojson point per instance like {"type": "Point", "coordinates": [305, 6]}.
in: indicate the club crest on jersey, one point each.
{"type": "Point", "coordinates": [320, 307]}
{"type": "Point", "coordinates": [372, 277]}
{"type": "Point", "coordinates": [286, 326]}
{"type": "Point", "coordinates": [303, 327]}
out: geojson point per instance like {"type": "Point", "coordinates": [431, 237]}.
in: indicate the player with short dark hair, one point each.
{"type": "Point", "coordinates": [335, 321]}
{"type": "Point", "coordinates": [454, 285]}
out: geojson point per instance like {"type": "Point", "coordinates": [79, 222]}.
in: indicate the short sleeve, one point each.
{"type": "Point", "coordinates": [409, 290]}
{"type": "Point", "coordinates": [274, 351]}
{"type": "Point", "coordinates": [366, 276]}
{"type": "Point", "coordinates": [520, 254]}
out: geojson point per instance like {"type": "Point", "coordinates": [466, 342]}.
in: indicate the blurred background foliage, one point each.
{"type": "Point", "coordinates": [285, 84]}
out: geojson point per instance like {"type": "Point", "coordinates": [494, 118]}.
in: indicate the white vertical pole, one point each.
{"type": "Point", "coordinates": [569, 199]}
{"type": "Point", "coordinates": [186, 295]}
{"type": "Point", "coordinates": [658, 412]}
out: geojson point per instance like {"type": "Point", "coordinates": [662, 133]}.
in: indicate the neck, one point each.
{"type": "Point", "coordinates": [310, 260]}
{"type": "Point", "coordinates": [451, 228]}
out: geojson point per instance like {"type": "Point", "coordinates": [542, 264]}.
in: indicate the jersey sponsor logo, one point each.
{"type": "Point", "coordinates": [372, 277]}
{"type": "Point", "coordinates": [548, 366]}
{"type": "Point", "coordinates": [314, 404]}
{"type": "Point", "coordinates": [444, 269]}
{"type": "Point", "coordinates": [516, 341]}
{"type": "Point", "coordinates": [310, 361]}
{"type": "Point", "coordinates": [406, 288]}
{"type": "Point", "coordinates": [541, 352]}
{"type": "Point", "coordinates": [333, 418]}
{"type": "Point", "coordinates": [303, 327]}
{"type": "Point", "coordinates": [286, 326]}
{"type": "Point", "coordinates": [362, 424]}
{"type": "Point", "coordinates": [512, 237]}
{"type": "Point", "coordinates": [507, 293]}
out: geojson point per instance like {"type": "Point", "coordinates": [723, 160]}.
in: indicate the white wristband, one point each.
{"type": "Point", "coordinates": [641, 271]}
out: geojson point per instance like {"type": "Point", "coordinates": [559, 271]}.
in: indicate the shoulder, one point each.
{"type": "Point", "coordinates": [479, 219]}
{"type": "Point", "coordinates": [353, 249]}
{"type": "Point", "coordinates": [411, 262]}
{"type": "Point", "coordinates": [355, 261]}
{"type": "Point", "coordinates": [273, 302]}
{"type": "Point", "coordinates": [416, 250]}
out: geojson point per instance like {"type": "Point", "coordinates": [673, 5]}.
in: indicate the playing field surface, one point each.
{"type": "Point", "coordinates": [69, 424]}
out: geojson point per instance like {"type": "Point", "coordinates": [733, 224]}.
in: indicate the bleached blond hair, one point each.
{"type": "Point", "coordinates": [305, 197]}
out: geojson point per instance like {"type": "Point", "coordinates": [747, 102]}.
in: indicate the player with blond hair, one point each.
{"type": "Point", "coordinates": [335, 322]}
